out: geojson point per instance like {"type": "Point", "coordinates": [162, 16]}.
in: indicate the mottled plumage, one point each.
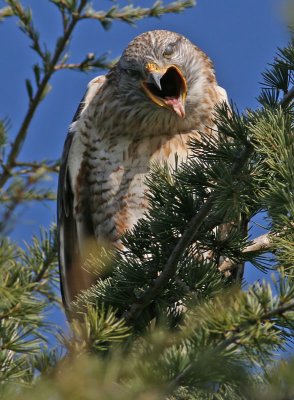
{"type": "Point", "coordinates": [161, 92]}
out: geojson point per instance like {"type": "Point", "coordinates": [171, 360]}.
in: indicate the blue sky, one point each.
{"type": "Point", "coordinates": [241, 37]}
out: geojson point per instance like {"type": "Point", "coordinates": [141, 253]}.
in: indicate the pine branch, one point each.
{"type": "Point", "coordinates": [27, 291]}
{"type": "Point", "coordinates": [191, 233]}
{"type": "Point", "coordinates": [234, 339]}
{"type": "Point", "coordinates": [95, 330]}
{"type": "Point", "coordinates": [130, 14]}
{"type": "Point", "coordinates": [37, 98]}
{"type": "Point", "coordinates": [264, 242]}
{"type": "Point", "coordinates": [279, 311]}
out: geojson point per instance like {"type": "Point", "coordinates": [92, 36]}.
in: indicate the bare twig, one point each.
{"type": "Point", "coordinates": [28, 197]}
{"type": "Point", "coordinates": [286, 100]}
{"type": "Point", "coordinates": [90, 62]}
{"type": "Point", "coordinates": [34, 166]}
{"type": "Point", "coordinates": [261, 243]}
{"type": "Point", "coordinates": [83, 66]}
{"type": "Point", "coordinates": [78, 66]}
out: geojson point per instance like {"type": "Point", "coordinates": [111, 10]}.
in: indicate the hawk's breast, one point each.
{"type": "Point", "coordinates": [116, 179]}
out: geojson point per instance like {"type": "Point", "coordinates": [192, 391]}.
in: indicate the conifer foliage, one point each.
{"type": "Point", "coordinates": [168, 317]}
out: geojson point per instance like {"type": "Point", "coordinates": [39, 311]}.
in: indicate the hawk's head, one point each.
{"type": "Point", "coordinates": [162, 70]}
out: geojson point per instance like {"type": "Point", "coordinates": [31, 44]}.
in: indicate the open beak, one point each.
{"type": "Point", "coordinates": [166, 88]}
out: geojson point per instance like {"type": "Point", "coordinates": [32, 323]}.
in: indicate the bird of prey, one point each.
{"type": "Point", "coordinates": [161, 93]}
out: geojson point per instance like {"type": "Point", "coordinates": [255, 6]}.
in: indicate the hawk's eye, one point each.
{"type": "Point", "coordinates": [168, 51]}
{"type": "Point", "coordinates": [133, 73]}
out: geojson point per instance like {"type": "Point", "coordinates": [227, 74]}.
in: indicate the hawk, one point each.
{"type": "Point", "coordinates": [161, 93]}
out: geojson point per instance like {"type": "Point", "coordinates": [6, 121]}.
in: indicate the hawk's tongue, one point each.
{"type": "Point", "coordinates": [176, 104]}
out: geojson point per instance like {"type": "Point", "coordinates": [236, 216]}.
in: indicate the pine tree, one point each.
{"type": "Point", "coordinates": [168, 319]}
